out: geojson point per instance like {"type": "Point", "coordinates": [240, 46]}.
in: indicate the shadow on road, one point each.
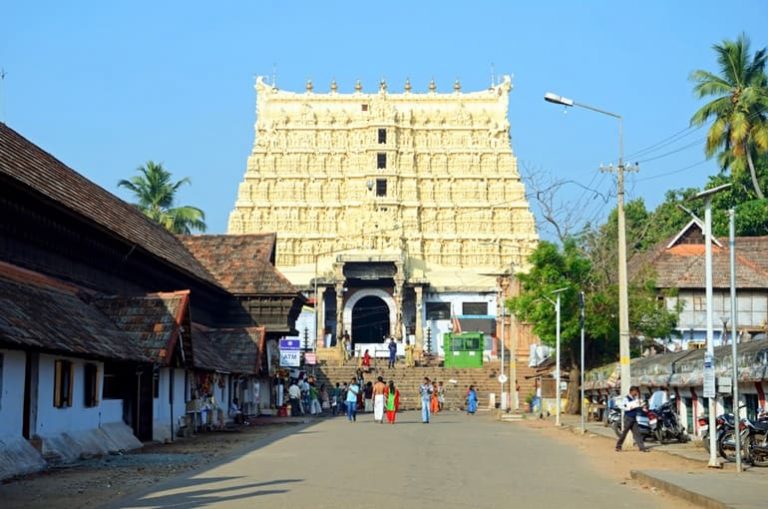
{"type": "Point", "coordinates": [204, 497]}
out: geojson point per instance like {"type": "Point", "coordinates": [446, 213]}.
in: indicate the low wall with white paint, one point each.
{"type": "Point", "coordinates": [112, 410]}
{"type": "Point", "coordinates": [78, 417]}
{"type": "Point", "coordinates": [12, 369]}
{"type": "Point", "coordinates": [161, 426]}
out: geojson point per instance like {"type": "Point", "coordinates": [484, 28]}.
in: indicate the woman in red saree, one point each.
{"type": "Point", "coordinates": [366, 361]}
{"type": "Point", "coordinates": [391, 401]}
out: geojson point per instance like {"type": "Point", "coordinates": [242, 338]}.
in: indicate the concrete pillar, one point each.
{"type": "Point", "coordinates": [320, 316]}
{"type": "Point", "coordinates": [419, 317]}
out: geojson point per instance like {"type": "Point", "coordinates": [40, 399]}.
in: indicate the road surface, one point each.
{"type": "Point", "coordinates": [456, 461]}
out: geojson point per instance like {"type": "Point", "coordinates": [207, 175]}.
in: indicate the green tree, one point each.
{"type": "Point", "coordinates": [155, 193]}
{"type": "Point", "coordinates": [740, 130]}
{"type": "Point", "coordinates": [569, 267]}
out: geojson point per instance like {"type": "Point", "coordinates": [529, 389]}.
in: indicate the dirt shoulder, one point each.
{"type": "Point", "coordinates": [599, 451]}
{"type": "Point", "coordinates": [92, 483]}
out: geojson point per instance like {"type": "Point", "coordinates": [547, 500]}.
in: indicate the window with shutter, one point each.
{"type": "Point", "coordinates": [91, 385]}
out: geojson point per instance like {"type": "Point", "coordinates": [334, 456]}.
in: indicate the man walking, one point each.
{"type": "Point", "coordinates": [632, 405]}
{"type": "Point", "coordinates": [425, 391]}
{"type": "Point", "coordinates": [352, 391]}
{"type": "Point", "coordinates": [379, 389]}
{"type": "Point", "coordinates": [392, 352]}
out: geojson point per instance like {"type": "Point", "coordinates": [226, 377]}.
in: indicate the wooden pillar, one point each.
{"type": "Point", "coordinates": [320, 316]}
{"type": "Point", "coordinates": [398, 294]}
{"type": "Point", "coordinates": [419, 317]}
{"type": "Point", "coordinates": [339, 309]}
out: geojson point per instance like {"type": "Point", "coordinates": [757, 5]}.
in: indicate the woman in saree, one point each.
{"type": "Point", "coordinates": [392, 401]}
{"type": "Point", "coordinates": [434, 401]}
{"type": "Point", "coordinates": [471, 400]}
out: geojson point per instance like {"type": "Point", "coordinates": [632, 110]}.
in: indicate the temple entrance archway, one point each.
{"type": "Point", "coordinates": [370, 320]}
{"type": "Point", "coordinates": [369, 315]}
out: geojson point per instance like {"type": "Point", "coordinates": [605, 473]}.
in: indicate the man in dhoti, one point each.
{"type": "Point", "coordinates": [379, 388]}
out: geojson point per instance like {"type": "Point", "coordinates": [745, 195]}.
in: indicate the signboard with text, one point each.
{"type": "Point", "coordinates": [290, 352]}
{"type": "Point", "coordinates": [709, 377]}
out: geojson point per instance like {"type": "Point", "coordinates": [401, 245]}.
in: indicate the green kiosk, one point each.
{"type": "Point", "coordinates": [463, 350]}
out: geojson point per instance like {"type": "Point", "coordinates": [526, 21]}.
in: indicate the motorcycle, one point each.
{"type": "Point", "coordinates": [647, 422]}
{"type": "Point", "coordinates": [669, 427]}
{"type": "Point", "coordinates": [754, 439]}
{"type": "Point", "coordinates": [723, 424]}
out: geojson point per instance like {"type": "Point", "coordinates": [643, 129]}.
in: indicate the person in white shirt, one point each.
{"type": "Point", "coordinates": [658, 398]}
{"type": "Point", "coordinates": [294, 395]}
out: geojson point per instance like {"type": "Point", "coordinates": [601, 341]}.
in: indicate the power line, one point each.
{"type": "Point", "coordinates": [665, 141]}
{"type": "Point", "coordinates": [672, 172]}
{"type": "Point", "coordinates": [695, 142]}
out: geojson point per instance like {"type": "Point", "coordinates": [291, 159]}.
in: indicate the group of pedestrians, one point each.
{"type": "Point", "coordinates": [306, 398]}
{"type": "Point", "coordinates": [385, 399]}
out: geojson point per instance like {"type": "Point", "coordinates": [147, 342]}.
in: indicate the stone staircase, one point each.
{"type": "Point", "coordinates": [408, 380]}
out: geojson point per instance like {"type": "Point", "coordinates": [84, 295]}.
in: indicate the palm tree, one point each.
{"type": "Point", "coordinates": [155, 193]}
{"type": "Point", "coordinates": [740, 128]}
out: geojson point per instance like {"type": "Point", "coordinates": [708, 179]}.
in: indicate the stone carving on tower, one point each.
{"type": "Point", "coordinates": [430, 177]}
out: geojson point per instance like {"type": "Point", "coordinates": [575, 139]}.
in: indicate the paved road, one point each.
{"type": "Point", "coordinates": [456, 461]}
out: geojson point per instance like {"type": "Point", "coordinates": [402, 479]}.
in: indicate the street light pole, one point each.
{"type": "Point", "coordinates": [557, 365]}
{"type": "Point", "coordinates": [581, 371]}
{"type": "Point", "coordinates": [622, 248]}
{"type": "Point", "coordinates": [709, 391]}
{"type": "Point", "coordinates": [503, 405]}
{"type": "Point", "coordinates": [557, 352]}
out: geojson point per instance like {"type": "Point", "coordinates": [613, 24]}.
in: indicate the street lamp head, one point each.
{"type": "Point", "coordinates": [558, 99]}
{"type": "Point", "coordinates": [709, 192]}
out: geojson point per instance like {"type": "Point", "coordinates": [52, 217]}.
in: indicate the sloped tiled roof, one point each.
{"type": "Point", "coordinates": [242, 264]}
{"type": "Point", "coordinates": [681, 265]}
{"type": "Point", "coordinates": [208, 356]}
{"type": "Point", "coordinates": [39, 312]}
{"type": "Point", "coordinates": [152, 320]}
{"type": "Point", "coordinates": [30, 166]}
{"type": "Point", "coordinates": [241, 347]}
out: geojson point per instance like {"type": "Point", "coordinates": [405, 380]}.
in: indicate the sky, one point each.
{"type": "Point", "coordinates": [107, 86]}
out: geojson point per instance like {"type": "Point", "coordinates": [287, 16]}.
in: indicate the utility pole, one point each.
{"type": "Point", "coordinates": [622, 247]}
{"type": "Point", "coordinates": [624, 337]}
{"type": "Point", "coordinates": [581, 373]}
{"type": "Point", "coordinates": [734, 331]}
{"type": "Point", "coordinates": [502, 378]}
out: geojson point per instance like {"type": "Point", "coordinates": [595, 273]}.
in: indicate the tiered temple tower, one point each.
{"type": "Point", "coordinates": [400, 210]}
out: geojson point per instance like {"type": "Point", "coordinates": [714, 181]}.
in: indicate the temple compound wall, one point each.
{"type": "Point", "coordinates": [406, 205]}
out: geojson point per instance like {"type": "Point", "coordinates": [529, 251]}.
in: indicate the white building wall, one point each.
{"type": "Point", "coordinates": [307, 322]}
{"type": "Point", "coordinates": [161, 426]}
{"type": "Point", "coordinates": [112, 410]}
{"type": "Point", "coordinates": [78, 417]}
{"type": "Point", "coordinates": [440, 327]}
{"type": "Point", "coordinates": [752, 307]}
{"type": "Point", "coordinates": [12, 393]}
